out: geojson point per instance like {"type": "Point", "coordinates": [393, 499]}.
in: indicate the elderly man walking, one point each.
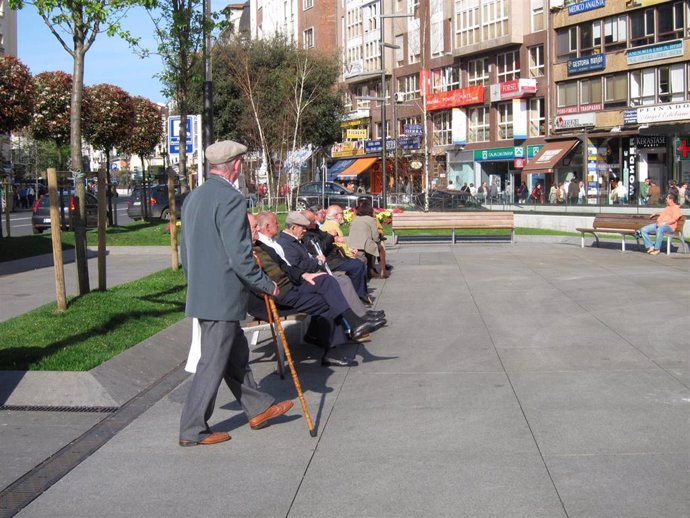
{"type": "Point", "coordinates": [216, 254]}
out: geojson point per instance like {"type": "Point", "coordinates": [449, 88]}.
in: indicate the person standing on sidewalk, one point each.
{"type": "Point", "coordinates": [216, 254]}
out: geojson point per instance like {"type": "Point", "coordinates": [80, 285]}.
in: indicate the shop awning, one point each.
{"type": "Point", "coordinates": [549, 156]}
{"type": "Point", "coordinates": [338, 167]}
{"type": "Point", "coordinates": [360, 165]}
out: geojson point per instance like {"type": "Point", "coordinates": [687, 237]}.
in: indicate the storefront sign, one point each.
{"type": "Point", "coordinates": [357, 134]}
{"type": "Point", "coordinates": [353, 68]}
{"type": "Point", "coordinates": [453, 98]}
{"type": "Point", "coordinates": [650, 142]}
{"type": "Point", "coordinates": [660, 113]}
{"type": "Point", "coordinates": [415, 165]}
{"type": "Point", "coordinates": [533, 150]}
{"type": "Point", "coordinates": [347, 148]}
{"type": "Point", "coordinates": [587, 5]}
{"type": "Point", "coordinates": [512, 89]}
{"type": "Point", "coordinates": [670, 49]}
{"type": "Point", "coordinates": [408, 143]}
{"type": "Point", "coordinates": [683, 148]}
{"type": "Point", "coordinates": [413, 129]}
{"type": "Point", "coordinates": [583, 108]}
{"type": "Point", "coordinates": [586, 64]}
{"type": "Point", "coordinates": [574, 121]}
{"type": "Point", "coordinates": [499, 153]}
{"type": "Point", "coordinates": [518, 163]}
{"type": "Point", "coordinates": [630, 167]}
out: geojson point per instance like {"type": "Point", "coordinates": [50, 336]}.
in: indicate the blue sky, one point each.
{"type": "Point", "coordinates": [110, 60]}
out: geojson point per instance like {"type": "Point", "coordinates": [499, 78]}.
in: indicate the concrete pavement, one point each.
{"type": "Point", "coordinates": [535, 379]}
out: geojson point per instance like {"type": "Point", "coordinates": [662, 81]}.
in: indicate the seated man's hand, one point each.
{"type": "Point", "coordinates": [321, 258]}
{"type": "Point", "coordinates": [309, 277]}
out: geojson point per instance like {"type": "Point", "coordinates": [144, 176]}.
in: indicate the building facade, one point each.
{"type": "Point", "coordinates": [510, 91]}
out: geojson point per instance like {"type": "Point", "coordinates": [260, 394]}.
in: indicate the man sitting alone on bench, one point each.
{"type": "Point", "coordinates": [666, 221]}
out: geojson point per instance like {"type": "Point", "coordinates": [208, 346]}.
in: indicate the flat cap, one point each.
{"type": "Point", "coordinates": [224, 151]}
{"type": "Point", "coordinates": [297, 218]}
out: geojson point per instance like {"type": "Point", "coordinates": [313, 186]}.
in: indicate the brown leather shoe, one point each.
{"type": "Point", "coordinates": [212, 438]}
{"type": "Point", "coordinates": [259, 421]}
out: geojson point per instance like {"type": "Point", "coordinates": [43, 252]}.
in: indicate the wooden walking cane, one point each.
{"type": "Point", "coordinates": [271, 325]}
{"type": "Point", "coordinates": [273, 315]}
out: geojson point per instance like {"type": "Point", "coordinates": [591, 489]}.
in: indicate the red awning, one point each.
{"type": "Point", "coordinates": [549, 156]}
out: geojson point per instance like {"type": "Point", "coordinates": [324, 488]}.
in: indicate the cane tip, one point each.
{"type": "Point", "coordinates": [312, 433]}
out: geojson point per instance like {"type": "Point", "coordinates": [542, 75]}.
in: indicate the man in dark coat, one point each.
{"type": "Point", "coordinates": [216, 254]}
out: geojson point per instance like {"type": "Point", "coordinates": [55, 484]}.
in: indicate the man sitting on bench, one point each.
{"type": "Point", "coordinates": [666, 221]}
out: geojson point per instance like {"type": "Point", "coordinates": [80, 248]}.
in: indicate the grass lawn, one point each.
{"type": "Point", "coordinates": [95, 327]}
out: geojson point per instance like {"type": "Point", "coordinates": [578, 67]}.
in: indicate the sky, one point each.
{"type": "Point", "coordinates": [110, 60]}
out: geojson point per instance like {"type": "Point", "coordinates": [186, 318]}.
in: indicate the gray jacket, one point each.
{"type": "Point", "coordinates": [216, 253]}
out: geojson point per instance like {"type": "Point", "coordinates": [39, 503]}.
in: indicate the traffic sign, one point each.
{"type": "Point", "coordinates": [174, 134]}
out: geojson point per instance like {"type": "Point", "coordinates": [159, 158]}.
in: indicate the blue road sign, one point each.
{"type": "Point", "coordinates": [174, 135]}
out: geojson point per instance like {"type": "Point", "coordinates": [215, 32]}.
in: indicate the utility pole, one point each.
{"type": "Point", "coordinates": [207, 117]}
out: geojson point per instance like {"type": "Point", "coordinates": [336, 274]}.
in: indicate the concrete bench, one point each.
{"type": "Point", "coordinates": [455, 221]}
{"type": "Point", "coordinates": [627, 225]}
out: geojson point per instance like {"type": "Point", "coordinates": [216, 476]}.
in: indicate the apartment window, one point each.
{"type": "Point", "coordinates": [466, 22]}
{"type": "Point", "coordinates": [400, 51]}
{"type": "Point", "coordinates": [590, 37]}
{"type": "Point", "coordinates": [642, 87]}
{"type": "Point", "coordinates": [537, 9]}
{"type": "Point", "coordinates": [494, 19]}
{"type": "Point", "coordinates": [590, 91]}
{"type": "Point", "coordinates": [478, 124]}
{"type": "Point", "coordinates": [308, 39]}
{"type": "Point", "coordinates": [675, 77]}
{"type": "Point", "coordinates": [616, 90]}
{"type": "Point", "coordinates": [308, 4]}
{"type": "Point", "coordinates": [536, 61]}
{"type": "Point", "coordinates": [567, 94]}
{"type": "Point", "coordinates": [477, 71]}
{"type": "Point", "coordinates": [642, 27]}
{"type": "Point", "coordinates": [362, 91]}
{"type": "Point", "coordinates": [566, 43]}
{"type": "Point", "coordinates": [670, 18]}
{"type": "Point", "coordinates": [508, 66]}
{"type": "Point", "coordinates": [443, 125]}
{"type": "Point", "coordinates": [445, 79]}
{"type": "Point", "coordinates": [505, 120]}
{"type": "Point", "coordinates": [615, 33]}
{"type": "Point", "coordinates": [537, 118]}
{"type": "Point", "coordinates": [409, 87]}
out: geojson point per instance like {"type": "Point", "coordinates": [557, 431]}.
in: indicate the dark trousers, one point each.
{"type": "Point", "coordinates": [357, 272]}
{"type": "Point", "coordinates": [224, 355]}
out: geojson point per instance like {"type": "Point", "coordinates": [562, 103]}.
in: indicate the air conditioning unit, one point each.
{"type": "Point", "coordinates": [399, 97]}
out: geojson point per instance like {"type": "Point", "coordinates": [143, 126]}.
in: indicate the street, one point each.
{"type": "Point", "coordinates": [20, 220]}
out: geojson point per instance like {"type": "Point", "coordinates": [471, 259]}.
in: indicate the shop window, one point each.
{"type": "Point", "coordinates": [566, 43]}
{"type": "Point", "coordinates": [567, 94]}
{"type": "Point", "coordinates": [505, 120]}
{"type": "Point", "coordinates": [508, 66]}
{"type": "Point", "coordinates": [478, 124]}
{"type": "Point", "coordinates": [442, 128]}
{"type": "Point", "coordinates": [590, 91]}
{"type": "Point", "coordinates": [536, 61]}
{"type": "Point", "coordinates": [615, 33]}
{"type": "Point", "coordinates": [477, 71]}
{"type": "Point", "coordinates": [537, 119]}
{"type": "Point", "coordinates": [615, 90]}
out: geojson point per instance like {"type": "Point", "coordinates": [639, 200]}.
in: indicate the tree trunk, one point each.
{"type": "Point", "coordinates": [76, 166]}
{"type": "Point", "coordinates": [102, 218]}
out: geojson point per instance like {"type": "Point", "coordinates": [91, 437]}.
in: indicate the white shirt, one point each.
{"type": "Point", "coordinates": [274, 245]}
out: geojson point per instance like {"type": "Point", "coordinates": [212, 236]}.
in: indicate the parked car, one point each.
{"type": "Point", "coordinates": [329, 193]}
{"type": "Point", "coordinates": [158, 206]}
{"type": "Point", "coordinates": [448, 200]}
{"type": "Point", "coordinates": [40, 217]}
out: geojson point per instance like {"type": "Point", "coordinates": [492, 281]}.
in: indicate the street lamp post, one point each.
{"type": "Point", "coordinates": [207, 119]}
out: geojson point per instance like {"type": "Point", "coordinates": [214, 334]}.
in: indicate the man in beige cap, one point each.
{"type": "Point", "coordinates": [216, 254]}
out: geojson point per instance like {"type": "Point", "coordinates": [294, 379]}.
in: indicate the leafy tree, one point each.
{"type": "Point", "coordinates": [16, 94]}
{"type": "Point", "coordinates": [147, 131]}
{"type": "Point", "coordinates": [108, 117]}
{"type": "Point", "coordinates": [75, 24]}
{"type": "Point", "coordinates": [52, 110]}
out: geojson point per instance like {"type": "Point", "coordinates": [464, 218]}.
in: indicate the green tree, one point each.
{"type": "Point", "coordinates": [108, 117]}
{"type": "Point", "coordinates": [76, 24]}
{"type": "Point", "coordinates": [51, 117]}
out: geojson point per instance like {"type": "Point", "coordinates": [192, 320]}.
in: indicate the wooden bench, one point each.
{"type": "Point", "coordinates": [455, 221]}
{"type": "Point", "coordinates": [678, 234]}
{"type": "Point", "coordinates": [627, 225]}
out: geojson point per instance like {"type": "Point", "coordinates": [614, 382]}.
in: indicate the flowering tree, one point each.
{"type": "Point", "coordinates": [108, 117]}
{"type": "Point", "coordinates": [16, 94]}
{"type": "Point", "coordinates": [52, 109]}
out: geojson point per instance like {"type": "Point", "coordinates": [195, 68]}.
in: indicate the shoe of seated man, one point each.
{"type": "Point", "coordinates": [331, 358]}
{"type": "Point", "coordinates": [649, 250]}
{"type": "Point", "coordinates": [654, 252]}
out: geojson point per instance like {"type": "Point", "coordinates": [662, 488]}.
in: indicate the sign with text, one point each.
{"type": "Point", "coordinates": [499, 153]}
{"type": "Point", "coordinates": [512, 89]}
{"type": "Point", "coordinates": [357, 134]}
{"type": "Point", "coordinates": [584, 6]}
{"type": "Point", "coordinates": [586, 64]}
{"type": "Point", "coordinates": [669, 49]}
{"type": "Point", "coordinates": [579, 120]}
{"type": "Point", "coordinates": [660, 113]}
{"type": "Point", "coordinates": [174, 134]}
{"type": "Point", "coordinates": [454, 98]}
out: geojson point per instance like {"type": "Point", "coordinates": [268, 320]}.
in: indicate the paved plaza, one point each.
{"type": "Point", "coordinates": [538, 379]}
